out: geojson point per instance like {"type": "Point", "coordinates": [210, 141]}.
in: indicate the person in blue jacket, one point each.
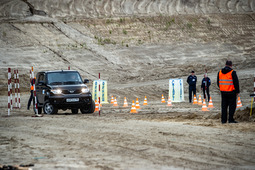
{"type": "Point", "coordinates": [192, 80]}
{"type": "Point", "coordinates": [206, 82]}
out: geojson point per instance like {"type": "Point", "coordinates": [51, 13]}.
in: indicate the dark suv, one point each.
{"type": "Point", "coordinates": [64, 90]}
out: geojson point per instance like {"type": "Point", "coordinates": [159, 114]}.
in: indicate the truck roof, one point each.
{"type": "Point", "coordinates": [57, 71]}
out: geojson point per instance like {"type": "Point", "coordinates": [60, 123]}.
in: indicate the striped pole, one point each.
{"type": "Point", "coordinates": [32, 73]}
{"type": "Point", "coordinates": [36, 108]}
{"type": "Point", "coordinates": [18, 87]}
{"type": "Point", "coordinates": [15, 88]}
{"type": "Point", "coordinates": [99, 94]}
{"type": "Point", "coordinates": [30, 79]}
{"type": "Point", "coordinates": [9, 91]}
{"type": "Point", "coordinates": [11, 87]}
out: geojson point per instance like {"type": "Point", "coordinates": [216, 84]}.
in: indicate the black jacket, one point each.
{"type": "Point", "coordinates": [225, 70]}
{"type": "Point", "coordinates": [192, 80]}
{"type": "Point", "coordinates": [205, 82]}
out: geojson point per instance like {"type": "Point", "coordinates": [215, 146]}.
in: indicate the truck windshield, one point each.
{"type": "Point", "coordinates": [62, 78]}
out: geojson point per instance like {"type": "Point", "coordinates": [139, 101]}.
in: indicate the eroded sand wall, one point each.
{"type": "Point", "coordinates": [107, 8]}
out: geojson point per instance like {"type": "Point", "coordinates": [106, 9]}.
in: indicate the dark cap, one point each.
{"type": "Point", "coordinates": [192, 71]}
{"type": "Point", "coordinates": [228, 63]}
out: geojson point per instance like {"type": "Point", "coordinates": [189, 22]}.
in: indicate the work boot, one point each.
{"type": "Point", "coordinates": [233, 121]}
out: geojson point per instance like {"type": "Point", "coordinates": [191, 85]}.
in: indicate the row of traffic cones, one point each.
{"type": "Point", "coordinates": [114, 102]}
{"type": "Point", "coordinates": [199, 102]}
{"type": "Point", "coordinates": [136, 105]}
{"type": "Point", "coordinates": [169, 103]}
{"type": "Point", "coordinates": [210, 105]}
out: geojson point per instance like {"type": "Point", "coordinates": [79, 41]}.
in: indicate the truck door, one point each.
{"type": "Point", "coordinates": [40, 88]}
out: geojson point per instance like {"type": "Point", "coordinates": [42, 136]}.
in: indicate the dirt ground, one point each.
{"type": "Point", "coordinates": [158, 137]}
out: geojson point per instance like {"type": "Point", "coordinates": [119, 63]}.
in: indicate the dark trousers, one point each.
{"type": "Point", "coordinates": [30, 99]}
{"type": "Point", "coordinates": [191, 89]}
{"type": "Point", "coordinates": [207, 92]}
{"type": "Point", "coordinates": [228, 101]}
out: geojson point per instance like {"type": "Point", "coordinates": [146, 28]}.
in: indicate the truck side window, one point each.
{"type": "Point", "coordinates": [41, 78]}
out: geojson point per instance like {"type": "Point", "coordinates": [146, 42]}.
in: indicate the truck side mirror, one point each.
{"type": "Point", "coordinates": [86, 81]}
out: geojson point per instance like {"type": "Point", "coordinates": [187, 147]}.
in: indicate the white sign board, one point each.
{"type": "Point", "coordinates": [176, 91]}
{"type": "Point", "coordinates": [103, 91]}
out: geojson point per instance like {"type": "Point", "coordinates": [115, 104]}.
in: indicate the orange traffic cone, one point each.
{"type": "Point", "coordinates": [200, 100]}
{"type": "Point", "coordinates": [115, 102]}
{"type": "Point", "coordinates": [145, 101]}
{"type": "Point", "coordinates": [137, 104]}
{"type": "Point", "coordinates": [239, 103]}
{"type": "Point", "coordinates": [125, 102]}
{"type": "Point", "coordinates": [195, 99]}
{"type": "Point", "coordinates": [162, 99]}
{"type": "Point", "coordinates": [133, 109]}
{"type": "Point", "coordinates": [210, 105]}
{"type": "Point", "coordinates": [169, 102]}
{"type": "Point", "coordinates": [204, 107]}
{"type": "Point", "coordinates": [96, 106]}
{"type": "Point", "coordinates": [112, 100]}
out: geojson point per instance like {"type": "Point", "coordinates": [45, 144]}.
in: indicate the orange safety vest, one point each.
{"type": "Point", "coordinates": [226, 81]}
{"type": "Point", "coordinates": [32, 83]}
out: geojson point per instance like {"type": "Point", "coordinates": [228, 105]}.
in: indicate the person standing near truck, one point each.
{"type": "Point", "coordinates": [192, 80]}
{"type": "Point", "coordinates": [31, 93]}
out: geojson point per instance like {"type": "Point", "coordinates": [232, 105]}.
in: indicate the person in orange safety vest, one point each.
{"type": "Point", "coordinates": [32, 93]}
{"type": "Point", "coordinates": [228, 83]}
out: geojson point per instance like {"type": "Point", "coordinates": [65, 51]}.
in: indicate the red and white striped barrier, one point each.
{"type": "Point", "coordinates": [16, 90]}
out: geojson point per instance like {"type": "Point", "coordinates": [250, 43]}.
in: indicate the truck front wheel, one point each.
{"type": "Point", "coordinates": [49, 108]}
{"type": "Point", "coordinates": [90, 108]}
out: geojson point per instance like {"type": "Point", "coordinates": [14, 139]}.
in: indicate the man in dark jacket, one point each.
{"type": "Point", "coordinates": [228, 83]}
{"type": "Point", "coordinates": [206, 82]}
{"type": "Point", "coordinates": [192, 80]}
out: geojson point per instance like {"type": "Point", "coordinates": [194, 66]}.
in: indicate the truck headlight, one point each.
{"type": "Point", "coordinates": [56, 91]}
{"type": "Point", "coordinates": [84, 90]}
